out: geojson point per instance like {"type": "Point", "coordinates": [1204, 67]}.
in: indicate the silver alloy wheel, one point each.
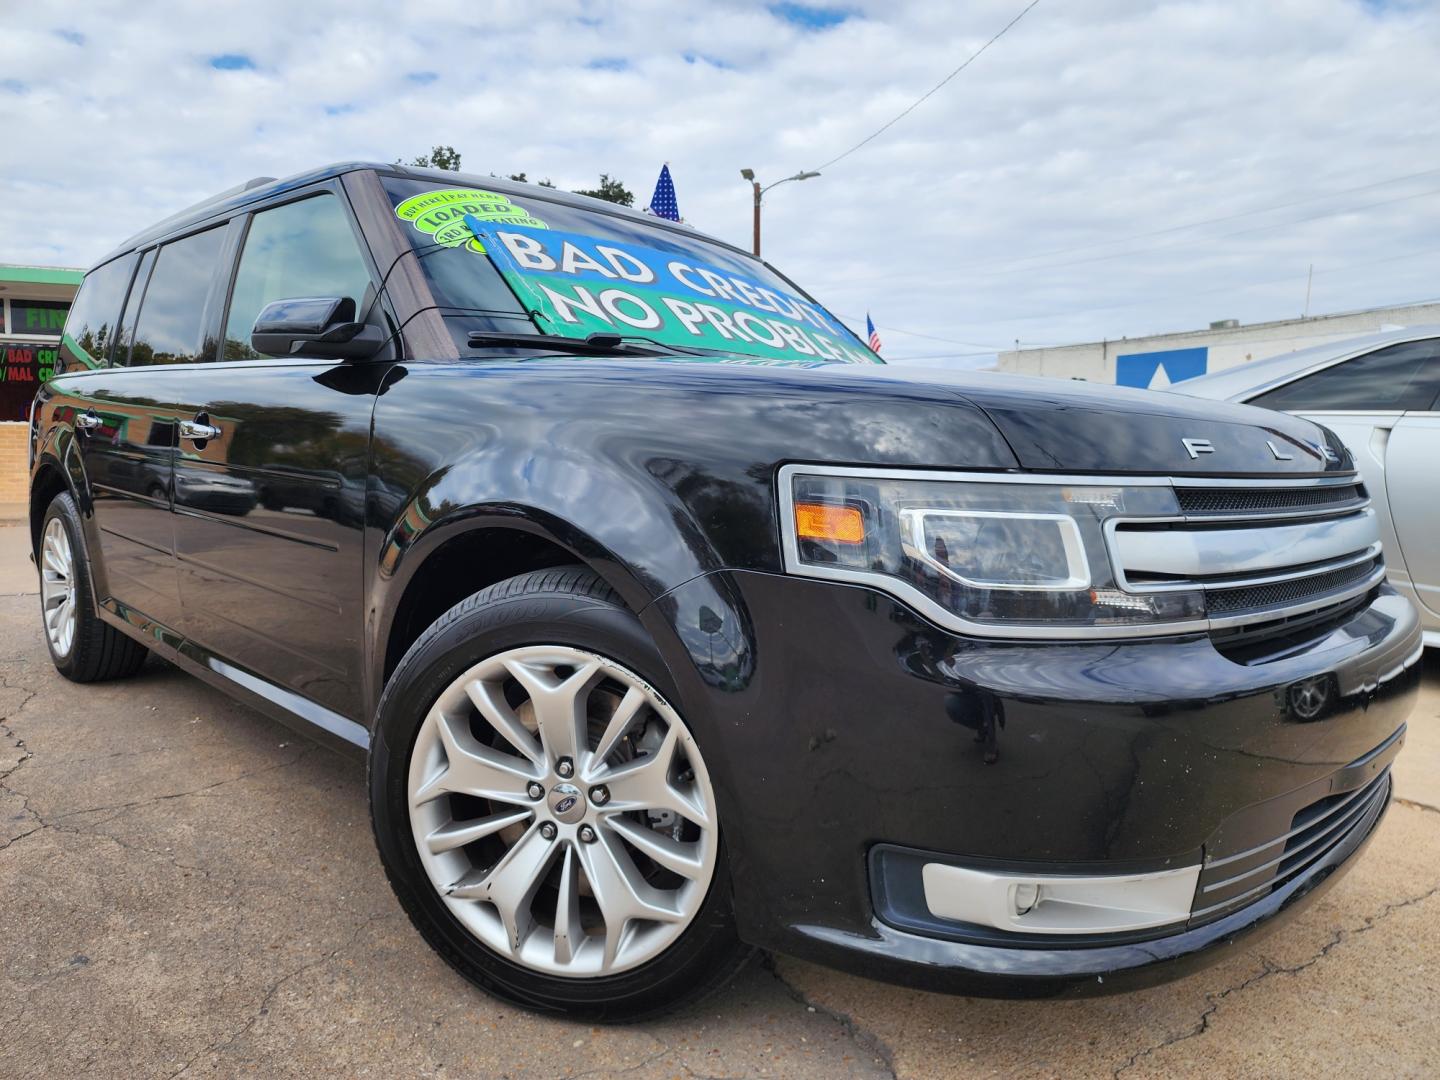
{"type": "Point", "coordinates": [57, 587]}
{"type": "Point", "coordinates": [609, 865]}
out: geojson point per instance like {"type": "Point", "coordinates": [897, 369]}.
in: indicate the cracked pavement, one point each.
{"type": "Point", "coordinates": [190, 889]}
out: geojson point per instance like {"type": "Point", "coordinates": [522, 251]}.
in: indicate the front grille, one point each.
{"type": "Point", "coordinates": [1315, 831]}
{"type": "Point", "coordinates": [1220, 602]}
{"type": "Point", "coordinates": [1240, 555]}
{"type": "Point", "coordinates": [1197, 501]}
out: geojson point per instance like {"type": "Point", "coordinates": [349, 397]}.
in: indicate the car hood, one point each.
{"type": "Point", "coordinates": [926, 417]}
{"type": "Point", "coordinates": [1057, 425]}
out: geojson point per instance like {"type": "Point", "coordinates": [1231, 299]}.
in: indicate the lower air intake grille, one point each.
{"type": "Point", "coordinates": [1319, 828]}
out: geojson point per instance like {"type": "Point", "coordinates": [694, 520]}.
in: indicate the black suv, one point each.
{"type": "Point", "coordinates": [674, 624]}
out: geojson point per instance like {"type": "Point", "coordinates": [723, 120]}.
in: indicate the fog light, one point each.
{"type": "Point", "coordinates": [1027, 895]}
{"type": "Point", "coordinates": [1059, 903]}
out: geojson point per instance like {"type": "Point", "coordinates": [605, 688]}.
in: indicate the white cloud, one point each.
{"type": "Point", "coordinates": [993, 212]}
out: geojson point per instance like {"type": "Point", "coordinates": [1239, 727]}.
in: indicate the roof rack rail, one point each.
{"type": "Point", "coordinates": [258, 181]}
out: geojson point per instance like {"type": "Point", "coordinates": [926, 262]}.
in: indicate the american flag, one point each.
{"type": "Point", "coordinates": [874, 335]}
{"type": "Point", "coordinates": [662, 203]}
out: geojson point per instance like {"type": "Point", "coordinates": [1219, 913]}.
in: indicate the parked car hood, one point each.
{"type": "Point", "coordinates": [928, 417]}
{"type": "Point", "coordinates": [1244, 381]}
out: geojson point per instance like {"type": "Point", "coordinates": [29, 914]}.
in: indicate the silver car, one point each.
{"type": "Point", "coordinates": [1381, 394]}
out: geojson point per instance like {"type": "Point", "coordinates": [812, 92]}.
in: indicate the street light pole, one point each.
{"type": "Point", "coordinates": [749, 174]}
{"type": "Point", "coordinates": [758, 192]}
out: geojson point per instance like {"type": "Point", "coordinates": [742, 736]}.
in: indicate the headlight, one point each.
{"type": "Point", "coordinates": [1000, 556]}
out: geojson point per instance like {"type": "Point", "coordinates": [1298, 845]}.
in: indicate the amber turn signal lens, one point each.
{"type": "Point", "coordinates": [837, 524]}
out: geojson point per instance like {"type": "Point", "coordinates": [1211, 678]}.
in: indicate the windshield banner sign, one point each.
{"type": "Point", "coordinates": [577, 285]}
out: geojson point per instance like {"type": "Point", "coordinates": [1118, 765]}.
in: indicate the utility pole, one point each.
{"type": "Point", "coordinates": [1308, 277]}
{"type": "Point", "coordinates": [749, 174]}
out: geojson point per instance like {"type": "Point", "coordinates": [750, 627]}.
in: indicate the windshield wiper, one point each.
{"type": "Point", "coordinates": [612, 344]}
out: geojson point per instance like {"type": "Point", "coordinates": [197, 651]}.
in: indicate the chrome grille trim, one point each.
{"type": "Point", "coordinates": [1260, 481]}
{"type": "Point", "coordinates": [1221, 583]}
{"type": "Point", "coordinates": [1333, 823]}
{"type": "Point", "coordinates": [1260, 849]}
{"type": "Point", "coordinates": [1225, 622]}
{"type": "Point", "coordinates": [1354, 812]}
{"type": "Point", "coordinates": [1193, 555]}
{"type": "Point", "coordinates": [1281, 515]}
{"type": "Point", "coordinates": [1253, 567]}
{"type": "Point", "coordinates": [1321, 584]}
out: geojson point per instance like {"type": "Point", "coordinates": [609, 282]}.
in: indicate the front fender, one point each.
{"type": "Point", "coordinates": [628, 527]}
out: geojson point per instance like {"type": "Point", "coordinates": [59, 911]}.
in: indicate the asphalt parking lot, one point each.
{"type": "Point", "coordinates": [190, 889]}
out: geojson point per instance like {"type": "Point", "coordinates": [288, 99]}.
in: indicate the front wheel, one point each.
{"type": "Point", "coordinates": [544, 814]}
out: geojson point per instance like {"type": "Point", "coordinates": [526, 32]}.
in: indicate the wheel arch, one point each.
{"type": "Point", "coordinates": [423, 577]}
{"type": "Point", "coordinates": [48, 481]}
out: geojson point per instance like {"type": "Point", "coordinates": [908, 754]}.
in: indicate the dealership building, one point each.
{"type": "Point", "coordinates": [1157, 361]}
{"type": "Point", "coordinates": [33, 303]}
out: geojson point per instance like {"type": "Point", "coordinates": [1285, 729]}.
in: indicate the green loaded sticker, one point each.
{"type": "Point", "coordinates": [441, 214]}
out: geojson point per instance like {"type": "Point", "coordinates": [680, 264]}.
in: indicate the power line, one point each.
{"type": "Point", "coordinates": [973, 56]}
{"type": "Point", "coordinates": [1249, 287]}
{"type": "Point", "coordinates": [1220, 220]}
{"type": "Point", "coordinates": [1164, 248]}
{"type": "Point", "coordinates": [951, 356]}
{"type": "Point", "coordinates": [1422, 302]}
{"type": "Point", "coordinates": [917, 333]}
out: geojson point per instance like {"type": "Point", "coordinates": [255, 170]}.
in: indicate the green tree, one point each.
{"type": "Point", "coordinates": [520, 177]}
{"type": "Point", "coordinates": [440, 157]}
{"type": "Point", "coordinates": [611, 191]}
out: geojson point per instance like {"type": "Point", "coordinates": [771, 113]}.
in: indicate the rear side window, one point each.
{"type": "Point", "coordinates": [1395, 379]}
{"type": "Point", "coordinates": [94, 317]}
{"type": "Point", "coordinates": [172, 313]}
{"type": "Point", "coordinates": [126, 333]}
{"type": "Point", "coordinates": [304, 248]}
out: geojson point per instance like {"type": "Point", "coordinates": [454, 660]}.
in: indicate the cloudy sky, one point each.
{"type": "Point", "coordinates": [1108, 168]}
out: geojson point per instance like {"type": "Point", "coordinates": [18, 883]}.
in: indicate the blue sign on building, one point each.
{"type": "Point", "coordinates": [1157, 370]}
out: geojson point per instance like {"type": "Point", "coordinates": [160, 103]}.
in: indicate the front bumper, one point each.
{"type": "Point", "coordinates": [837, 723]}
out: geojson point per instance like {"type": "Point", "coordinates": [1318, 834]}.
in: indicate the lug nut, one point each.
{"type": "Point", "coordinates": [587, 834]}
{"type": "Point", "coordinates": [600, 795]}
{"type": "Point", "coordinates": [547, 830]}
{"type": "Point", "coordinates": [534, 790]}
{"type": "Point", "coordinates": [565, 767]}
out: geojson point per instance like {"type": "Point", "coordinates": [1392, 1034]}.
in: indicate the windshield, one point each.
{"type": "Point", "coordinates": [516, 263]}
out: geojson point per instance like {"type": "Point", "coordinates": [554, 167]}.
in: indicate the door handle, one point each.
{"type": "Point", "coordinates": [87, 421]}
{"type": "Point", "coordinates": [198, 431]}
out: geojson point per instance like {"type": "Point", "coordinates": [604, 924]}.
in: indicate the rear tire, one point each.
{"type": "Point", "coordinates": [82, 647]}
{"type": "Point", "coordinates": [559, 938]}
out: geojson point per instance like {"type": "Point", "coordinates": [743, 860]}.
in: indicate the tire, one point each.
{"type": "Point", "coordinates": [535, 624]}
{"type": "Point", "coordinates": [92, 651]}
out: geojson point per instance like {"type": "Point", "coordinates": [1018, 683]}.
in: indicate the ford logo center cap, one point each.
{"type": "Point", "coordinates": [566, 803]}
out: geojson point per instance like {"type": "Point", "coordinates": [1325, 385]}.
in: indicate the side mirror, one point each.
{"type": "Point", "coordinates": [322, 326]}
